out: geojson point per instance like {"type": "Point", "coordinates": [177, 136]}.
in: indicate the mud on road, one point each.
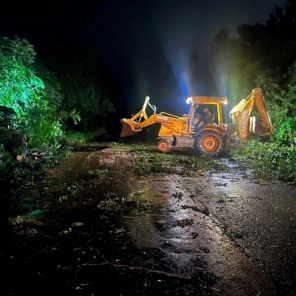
{"type": "Point", "coordinates": [96, 228]}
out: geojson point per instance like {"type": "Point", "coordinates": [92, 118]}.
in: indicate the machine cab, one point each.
{"type": "Point", "coordinates": [204, 111]}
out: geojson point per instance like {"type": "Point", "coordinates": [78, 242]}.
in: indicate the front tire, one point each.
{"type": "Point", "coordinates": [164, 146]}
{"type": "Point", "coordinates": [209, 143]}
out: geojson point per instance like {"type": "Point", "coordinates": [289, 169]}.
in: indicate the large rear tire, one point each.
{"type": "Point", "coordinates": [164, 145]}
{"type": "Point", "coordinates": [209, 143]}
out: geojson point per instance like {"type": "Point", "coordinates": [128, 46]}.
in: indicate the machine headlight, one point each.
{"type": "Point", "coordinates": [189, 100]}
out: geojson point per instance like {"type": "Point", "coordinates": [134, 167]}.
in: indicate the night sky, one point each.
{"type": "Point", "coordinates": [144, 45]}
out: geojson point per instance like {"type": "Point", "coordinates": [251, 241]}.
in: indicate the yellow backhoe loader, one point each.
{"type": "Point", "coordinates": [208, 134]}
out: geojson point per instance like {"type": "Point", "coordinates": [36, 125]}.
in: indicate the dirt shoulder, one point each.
{"type": "Point", "coordinates": [94, 225]}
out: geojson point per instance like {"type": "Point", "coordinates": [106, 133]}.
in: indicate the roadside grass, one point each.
{"type": "Point", "coordinates": [180, 161]}
{"type": "Point", "coordinates": [268, 161]}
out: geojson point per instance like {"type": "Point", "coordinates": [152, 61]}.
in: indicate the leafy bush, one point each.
{"type": "Point", "coordinates": [286, 134]}
{"type": "Point", "coordinates": [268, 161]}
{"type": "Point", "coordinates": [37, 109]}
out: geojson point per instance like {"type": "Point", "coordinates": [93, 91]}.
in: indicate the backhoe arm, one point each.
{"type": "Point", "coordinates": [264, 128]}
{"type": "Point", "coordinates": [240, 115]}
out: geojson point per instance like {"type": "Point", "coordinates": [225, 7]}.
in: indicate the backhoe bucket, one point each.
{"type": "Point", "coordinates": [128, 128]}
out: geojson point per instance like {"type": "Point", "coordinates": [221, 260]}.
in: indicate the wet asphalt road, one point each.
{"type": "Point", "coordinates": [223, 232]}
{"type": "Point", "coordinates": [243, 230]}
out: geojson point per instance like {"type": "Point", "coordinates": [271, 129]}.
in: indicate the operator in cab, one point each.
{"type": "Point", "coordinates": [207, 116]}
{"type": "Point", "coordinates": [197, 120]}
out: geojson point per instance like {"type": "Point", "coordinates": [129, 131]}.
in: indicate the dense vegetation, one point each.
{"type": "Point", "coordinates": [45, 99]}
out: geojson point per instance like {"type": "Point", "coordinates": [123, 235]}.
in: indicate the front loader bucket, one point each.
{"type": "Point", "coordinates": [128, 128]}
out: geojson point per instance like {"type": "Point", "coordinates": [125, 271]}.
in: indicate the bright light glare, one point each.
{"type": "Point", "coordinates": [225, 102]}
{"type": "Point", "coordinates": [189, 100]}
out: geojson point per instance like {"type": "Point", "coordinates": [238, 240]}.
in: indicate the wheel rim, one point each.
{"type": "Point", "coordinates": [163, 146]}
{"type": "Point", "coordinates": [210, 144]}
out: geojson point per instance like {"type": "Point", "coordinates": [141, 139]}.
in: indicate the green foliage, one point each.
{"type": "Point", "coordinates": [18, 49]}
{"type": "Point", "coordinates": [268, 161]}
{"type": "Point", "coordinates": [5, 161]}
{"type": "Point", "coordinates": [53, 91]}
{"type": "Point", "coordinates": [275, 98]}
{"type": "Point", "coordinates": [286, 134]}
{"type": "Point", "coordinates": [23, 91]}
{"type": "Point", "coordinates": [281, 105]}
{"type": "Point", "coordinates": [153, 163]}
{"type": "Point", "coordinates": [53, 95]}
{"type": "Point", "coordinates": [205, 163]}
{"type": "Point", "coordinates": [47, 131]}
{"type": "Point", "coordinates": [20, 89]}
{"type": "Point", "coordinates": [149, 160]}
{"type": "Point", "coordinates": [291, 93]}
{"type": "Point", "coordinates": [5, 123]}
